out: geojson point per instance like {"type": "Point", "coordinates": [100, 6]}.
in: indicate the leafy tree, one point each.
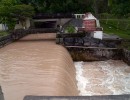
{"type": "Point", "coordinates": [60, 6]}
{"type": "Point", "coordinates": [5, 9]}
{"type": "Point", "coordinates": [120, 7]}
{"type": "Point", "coordinates": [11, 11]}
{"type": "Point", "coordinates": [22, 12]}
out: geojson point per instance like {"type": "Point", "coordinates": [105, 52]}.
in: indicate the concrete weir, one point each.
{"type": "Point", "coordinates": [35, 65]}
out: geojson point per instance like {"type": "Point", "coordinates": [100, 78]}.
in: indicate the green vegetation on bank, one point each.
{"type": "Point", "coordinates": [3, 33]}
{"type": "Point", "coordinates": [70, 29]}
{"type": "Point", "coordinates": [120, 27]}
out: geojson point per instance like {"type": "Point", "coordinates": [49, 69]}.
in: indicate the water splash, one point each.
{"type": "Point", "coordinates": [103, 78]}
{"type": "Point", "coordinates": [82, 81]}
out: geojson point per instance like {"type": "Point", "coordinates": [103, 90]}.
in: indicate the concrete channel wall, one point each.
{"type": "Point", "coordinates": [110, 97]}
{"type": "Point", "coordinates": [20, 33]}
{"type": "Point", "coordinates": [82, 48]}
{"type": "Point", "coordinates": [98, 54]}
{"type": "Point", "coordinates": [126, 56]}
{"type": "Point", "coordinates": [94, 53]}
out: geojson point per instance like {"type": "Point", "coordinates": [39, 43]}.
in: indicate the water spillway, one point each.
{"type": "Point", "coordinates": [35, 65]}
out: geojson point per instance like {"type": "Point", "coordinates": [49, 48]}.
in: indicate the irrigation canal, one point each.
{"type": "Point", "coordinates": [35, 65]}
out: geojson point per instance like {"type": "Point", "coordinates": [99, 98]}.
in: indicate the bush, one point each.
{"type": "Point", "coordinates": [117, 27]}
{"type": "Point", "coordinates": [3, 33]}
{"type": "Point", "coordinates": [117, 23]}
{"type": "Point", "coordinates": [70, 29]}
{"type": "Point", "coordinates": [128, 15]}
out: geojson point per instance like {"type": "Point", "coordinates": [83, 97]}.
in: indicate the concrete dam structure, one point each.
{"type": "Point", "coordinates": [35, 65]}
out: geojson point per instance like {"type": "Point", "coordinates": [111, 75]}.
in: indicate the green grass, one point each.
{"type": "Point", "coordinates": [3, 33]}
{"type": "Point", "coordinates": [118, 27]}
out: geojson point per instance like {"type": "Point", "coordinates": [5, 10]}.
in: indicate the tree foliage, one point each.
{"type": "Point", "coordinates": [11, 11]}
{"type": "Point", "coordinates": [120, 7]}
{"type": "Point", "coordinates": [60, 6]}
{"type": "Point", "coordinates": [117, 7]}
{"type": "Point", "coordinates": [5, 9]}
{"type": "Point", "coordinates": [22, 12]}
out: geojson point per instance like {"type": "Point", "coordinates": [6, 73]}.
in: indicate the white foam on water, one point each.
{"type": "Point", "coordinates": [82, 81]}
{"type": "Point", "coordinates": [117, 76]}
{"type": "Point", "coordinates": [116, 81]}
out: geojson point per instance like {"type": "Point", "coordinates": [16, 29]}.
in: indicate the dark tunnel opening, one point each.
{"type": "Point", "coordinates": [46, 24]}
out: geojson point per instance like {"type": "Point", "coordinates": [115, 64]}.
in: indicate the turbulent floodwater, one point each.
{"type": "Point", "coordinates": [103, 78]}
{"type": "Point", "coordinates": [35, 65]}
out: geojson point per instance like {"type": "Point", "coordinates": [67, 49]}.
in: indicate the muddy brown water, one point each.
{"type": "Point", "coordinates": [35, 65]}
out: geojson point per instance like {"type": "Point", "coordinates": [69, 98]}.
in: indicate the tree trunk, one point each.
{"type": "Point", "coordinates": [96, 8]}
{"type": "Point", "coordinates": [23, 22]}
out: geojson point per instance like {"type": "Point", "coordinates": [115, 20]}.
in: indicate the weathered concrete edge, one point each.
{"type": "Point", "coordinates": [98, 54]}
{"type": "Point", "coordinates": [108, 97]}
{"type": "Point", "coordinates": [126, 56]}
{"type": "Point", "coordinates": [94, 54]}
{"type": "Point", "coordinates": [20, 33]}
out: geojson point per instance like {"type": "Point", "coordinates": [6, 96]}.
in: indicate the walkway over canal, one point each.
{"type": "Point", "coordinates": [35, 65]}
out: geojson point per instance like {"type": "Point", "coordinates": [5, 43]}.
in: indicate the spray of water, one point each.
{"type": "Point", "coordinates": [103, 78]}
